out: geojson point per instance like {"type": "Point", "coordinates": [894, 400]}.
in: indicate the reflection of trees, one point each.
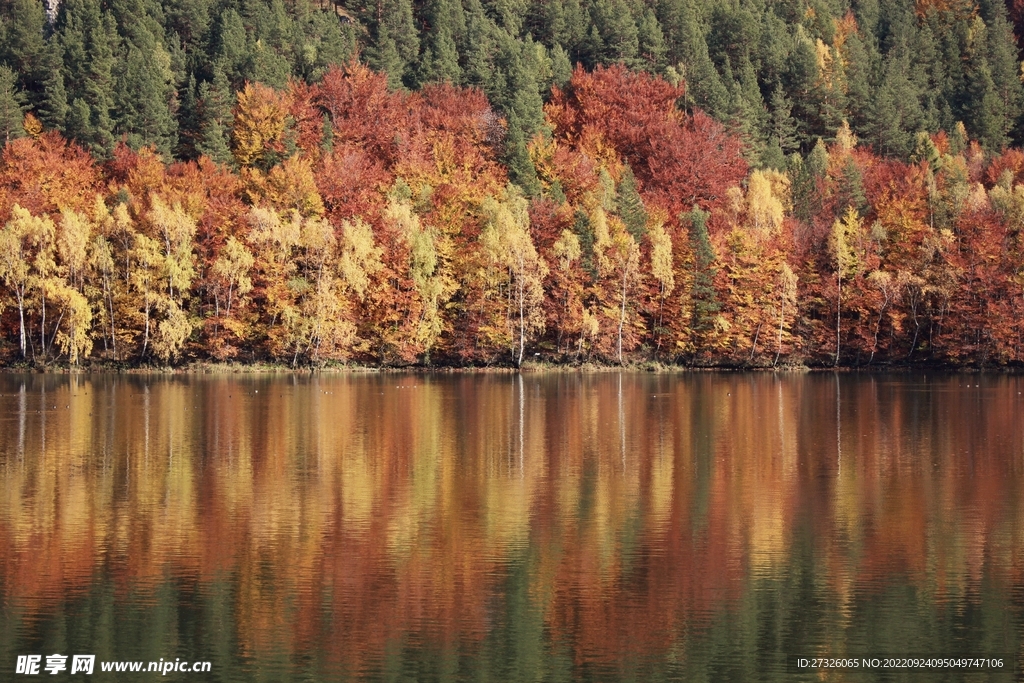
{"type": "Point", "coordinates": [528, 527]}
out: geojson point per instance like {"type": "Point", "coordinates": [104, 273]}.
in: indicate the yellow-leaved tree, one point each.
{"type": "Point", "coordinates": [273, 241]}
{"type": "Point", "coordinates": [176, 265]}
{"type": "Point", "coordinates": [786, 283]}
{"type": "Point", "coordinates": [842, 246]}
{"type": "Point", "coordinates": [24, 241]}
{"type": "Point", "coordinates": [434, 285]}
{"type": "Point", "coordinates": [231, 277]}
{"type": "Point", "coordinates": [513, 270]}
{"type": "Point", "coordinates": [662, 270]}
{"type": "Point", "coordinates": [260, 122]}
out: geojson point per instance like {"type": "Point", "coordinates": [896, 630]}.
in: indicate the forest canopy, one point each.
{"type": "Point", "coordinates": [479, 182]}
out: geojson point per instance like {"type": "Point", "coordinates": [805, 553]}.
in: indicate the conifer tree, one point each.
{"type": "Point", "coordinates": [22, 46]}
{"type": "Point", "coordinates": [616, 38]}
{"type": "Point", "coordinates": [98, 92]}
{"type": "Point", "coordinates": [984, 117]}
{"type": "Point", "coordinates": [574, 32]}
{"type": "Point", "coordinates": [704, 87]}
{"type": "Point", "coordinates": [73, 24]}
{"type": "Point", "coordinates": [232, 52]}
{"type": "Point", "coordinates": [894, 116]}
{"type": "Point", "coordinates": [188, 119]}
{"type": "Point", "coordinates": [748, 117]}
{"type": "Point", "coordinates": [479, 46]}
{"type": "Point", "coordinates": [53, 106]}
{"type": "Point", "coordinates": [702, 293]}
{"type": "Point", "coordinates": [143, 98]}
{"type": "Point", "coordinates": [800, 80]}
{"type": "Point", "coordinates": [440, 59]}
{"type": "Point", "coordinates": [651, 41]}
{"type": "Point", "coordinates": [1001, 55]}
{"type": "Point", "coordinates": [859, 68]}
{"type": "Point", "coordinates": [10, 107]}
{"type": "Point", "coordinates": [515, 90]}
{"type": "Point", "coordinates": [561, 68]}
{"type": "Point", "coordinates": [265, 65]}
{"type": "Point", "coordinates": [397, 44]}
{"type": "Point", "coordinates": [215, 119]}
{"type": "Point", "coordinates": [927, 74]}
{"type": "Point", "coordinates": [631, 205]}
{"type": "Point", "coordinates": [782, 130]}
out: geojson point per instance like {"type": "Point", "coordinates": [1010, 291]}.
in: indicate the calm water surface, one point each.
{"type": "Point", "coordinates": [543, 528]}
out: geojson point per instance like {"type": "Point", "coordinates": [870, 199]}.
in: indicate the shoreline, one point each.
{"type": "Point", "coordinates": [647, 367]}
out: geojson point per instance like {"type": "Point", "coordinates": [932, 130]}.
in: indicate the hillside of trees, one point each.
{"type": "Point", "coordinates": [491, 181]}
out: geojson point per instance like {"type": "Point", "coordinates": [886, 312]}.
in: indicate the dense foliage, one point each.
{"type": "Point", "coordinates": [743, 183]}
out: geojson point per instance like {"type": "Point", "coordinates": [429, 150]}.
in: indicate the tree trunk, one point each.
{"type": "Point", "coordinates": [522, 325]}
{"type": "Point", "coordinates": [145, 336]}
{"type": "Point", "coordinates": [21, 322]}
{"type": "Point", "coordinates": [42, 326]}
{"type": "Point", "coordinates": [839, 316]}
{"type": "Point", "coordinates": [782, 322]}
{"type": "Point", "coordinates": [753, 349]}
{"type": "Point", "coordinates": [622, 313]}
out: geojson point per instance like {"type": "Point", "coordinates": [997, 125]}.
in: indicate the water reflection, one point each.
{"type": "Point", "coordinates": [556, 527]}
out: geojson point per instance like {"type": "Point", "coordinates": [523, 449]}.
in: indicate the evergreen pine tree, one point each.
{"type": "Point", "coordinates": [278, 31]}
{"type": "Point", "coordinates": [10, 107]}
{"type": "Point", "coordinates": [192, 20]}
{"type": "Point", "coordinates": [90, 43]}
{"type": "Point", "coordinates": [545, 20]}
{"type": "Point", "coordinates": [266, 66]}
{"type": "Point", "coordinates": [98, 92]}
{"type": "Point", "coordinates": [22, 46]}
{"type": "Point", "coordinates": [53, 108]}
{"type": "Point", "coordinates": [515, 89]}
{"type": "Point", "coordinates": [74, 21]}
{"type": "Point", "coordinates": [232, 51]}
{"type": "Point", "coordinates": [895, 116]}
{"type": "Point", "coordinates": [631, 205]}
{"type": "Point", "coordinates": [561, 68]}
{"type": "Point", "coordinates": [804, 177]}
{"type": "Point", "coordinates": [77, 125]}
{"type": "Point", "coordinates": [478, 49]}
{"type": "Point", "coordinates": [782, 132]}
{"type": "Point", "coordinates": [189, 121]}
{"type": "Point", "coordinates": [396, 48]}
{"type": "Point", "coordinates": [574, 34]}
{"type": "Point", "coordinates": [652, 48]}
{"type": "Point", "coordinates": [143, 97]}
{"type": "Point", "coordinates": [385, 57]}
{"type": "Point", "coordinates": [704, 86]}
{"type": "Point", "coordinates": [321, 41]}
{"type": "Point", "coordinates": [801, 79]}
{"type": "Point", "coordinates": [617, 38]}
{"type": "Point", "coordinates": [926, 74]}
{"type": "Point", "coordinates": [440, 59]}
{"type": "Point", "coordinates": [984, 118]}
{"type": "Point", "coordinates": [850, 190]}
{"type": "Point", "coordinates": [859, 68]}
{"type": "Point", "coordinates": [1001, 55]}
{"type": "Point", "coordinates": [754, 112]}
{"type": "Point", "coordinates": [741, 120]}
{"type": "Point", "coordinates": [702, 293]}
{"type": "Point", "coordinates": [866, 12]}
{"type": "Point", "coordinates": [215, 118]}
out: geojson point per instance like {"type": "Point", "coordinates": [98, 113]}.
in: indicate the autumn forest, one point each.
{"type": "Point", "coordinates": [495, 182]}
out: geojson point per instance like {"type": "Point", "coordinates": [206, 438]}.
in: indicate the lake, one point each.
{"type": "Point", "coordinates": [501, 527]}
